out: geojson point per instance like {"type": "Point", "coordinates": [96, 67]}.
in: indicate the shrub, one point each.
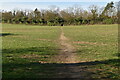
{"type": "Point", "coordinates": [91, 22]}
{"type": "Point", "coordinates": [51, 23]}
{"type": "Point", "coordinates": [108, 21]}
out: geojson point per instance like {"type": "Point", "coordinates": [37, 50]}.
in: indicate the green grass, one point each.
{"type": "Point", "coordinates": [26, 46]}
{"type": "Point", "coordinates": [97, 43]}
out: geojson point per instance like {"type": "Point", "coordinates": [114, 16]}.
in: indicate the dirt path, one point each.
{"type": "Point", "coordinates": [66, 62]}
{"type": "Point", "coordinates": [67, 51]}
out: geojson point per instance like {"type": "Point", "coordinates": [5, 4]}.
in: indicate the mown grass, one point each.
{"type": "Point", "coordinates": [23, 45]}
{"type": "Point", "coordinates": [27, 50]}
{"type": "Point", "coordinates": [97, 43]}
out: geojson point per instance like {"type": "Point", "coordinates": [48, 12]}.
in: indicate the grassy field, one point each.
{"type": "Point", "coordinates": [97, 44]}
{"type": "Point", "coordinates": [26, 48]}
{"type": "Point", "coordinates": [24, 45]}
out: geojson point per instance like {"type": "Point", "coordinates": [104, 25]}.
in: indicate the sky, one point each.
{"type": "Point", "coordinates": [57, 0]}
{"type": "Point", "coordinates": [46, 4]}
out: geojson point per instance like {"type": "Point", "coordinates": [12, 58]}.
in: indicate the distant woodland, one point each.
{"type": "Point", "coordinates": [70, 16]}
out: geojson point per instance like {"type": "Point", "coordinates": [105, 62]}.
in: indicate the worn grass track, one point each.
{"type": "Point", "coordinates": [67, 53]}
{"type": "Point", "coordinates": [85, 52]}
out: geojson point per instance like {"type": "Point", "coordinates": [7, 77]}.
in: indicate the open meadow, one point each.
{"type": "Point", "coordinates": [85, 51]}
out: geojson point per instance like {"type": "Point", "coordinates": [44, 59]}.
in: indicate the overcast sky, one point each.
{"type": "Point", "coordinates": [45, 4]}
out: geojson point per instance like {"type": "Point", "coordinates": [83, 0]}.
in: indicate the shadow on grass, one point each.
{"type": "Point", "coordinates": [81, 70]}
{"type": "Point", "coordinates": [39, 50]}
{"type": "Point", "coordinates": [6, 34]}
{"type": "Point", "coordinates": [85, 70]}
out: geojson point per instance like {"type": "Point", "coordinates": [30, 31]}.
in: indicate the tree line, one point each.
{"type": "Point", "coordinates": [71, 16]}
